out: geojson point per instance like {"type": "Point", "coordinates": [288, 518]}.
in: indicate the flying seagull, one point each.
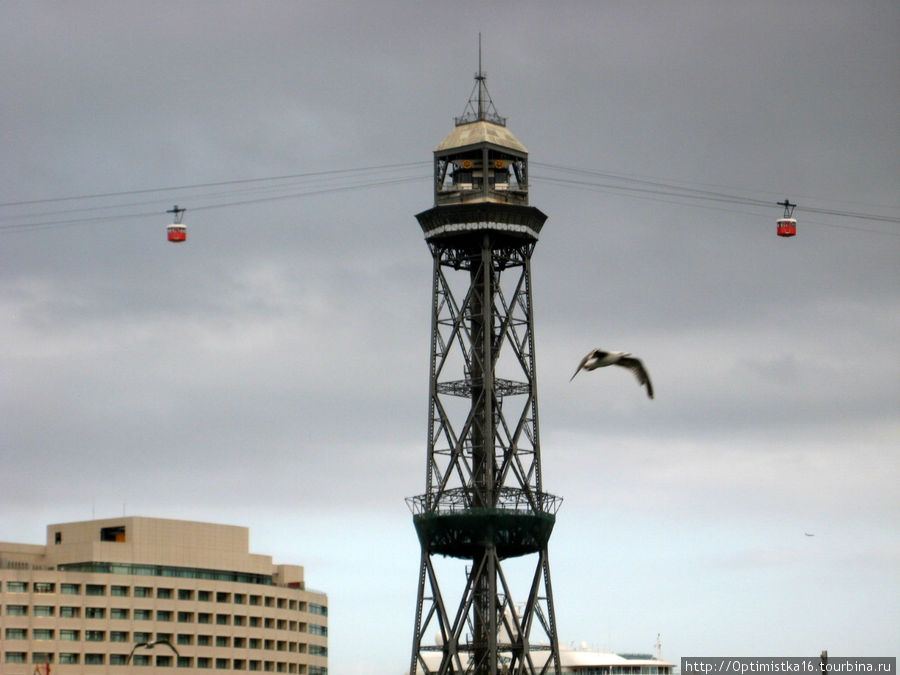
{"type": "Point", "coordinates": [599, 358]}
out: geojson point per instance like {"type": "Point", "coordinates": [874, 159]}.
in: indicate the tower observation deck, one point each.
{"type": "Point", "coordinates": [484, 502]}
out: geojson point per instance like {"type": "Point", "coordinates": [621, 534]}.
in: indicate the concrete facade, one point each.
{"type": "Point", "coordinates": [85, 601]}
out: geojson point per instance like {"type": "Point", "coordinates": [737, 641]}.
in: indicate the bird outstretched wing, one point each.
{"type": "Point", "coordinates": [636, 367]}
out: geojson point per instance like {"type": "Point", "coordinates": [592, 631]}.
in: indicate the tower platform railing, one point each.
{"type": "Point", "coordinates": [461, 500]}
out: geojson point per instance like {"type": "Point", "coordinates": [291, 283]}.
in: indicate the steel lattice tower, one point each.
{"type": "Point", "coordinates": [484, 502]}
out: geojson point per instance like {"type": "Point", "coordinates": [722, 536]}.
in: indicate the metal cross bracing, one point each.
{"type": "Point", "coordinates": [484, 502]}
{"type": "Point", "coordinates": [459, 331]}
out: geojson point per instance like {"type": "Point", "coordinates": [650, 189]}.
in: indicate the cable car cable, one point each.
{"type": "Point", "coordinates": [215, 184]}
{"type": "Point", "coordinates": [22, 227]}
{"type": "Point", "coordinates": [644, 189]}
{"type": "Point", "coordinates": [653, 180]}
{"type": "Point", "coordinates": [711, 196]}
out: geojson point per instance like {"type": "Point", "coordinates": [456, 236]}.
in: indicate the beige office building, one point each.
{"type": "Point", "coordinates": [122, 594]}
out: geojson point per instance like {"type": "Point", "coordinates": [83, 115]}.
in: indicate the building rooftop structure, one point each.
{"type": "Point", "coordinates": [125, 591]}
{"type": "Point", "coordinates": [585, 661]}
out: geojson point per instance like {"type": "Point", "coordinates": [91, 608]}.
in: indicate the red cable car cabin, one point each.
{"type": "Point", "coordinates": [177, 232]}
{"type": "Point", "coordinates": [787, 227]}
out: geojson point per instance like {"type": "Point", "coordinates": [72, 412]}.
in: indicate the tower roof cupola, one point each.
{"type": "Point", "coordinates": [480, 160]}
{"type": "Point", "coordinates": [481, 176]}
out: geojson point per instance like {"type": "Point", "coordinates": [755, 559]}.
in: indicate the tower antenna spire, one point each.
{"type": "Point", "coordinates": [480, 78]}
{"type": "Point", "coordinates": [480, 107]}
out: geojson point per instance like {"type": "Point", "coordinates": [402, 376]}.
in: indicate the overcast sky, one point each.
{"type": "Point", "coordinates": [272, 371]}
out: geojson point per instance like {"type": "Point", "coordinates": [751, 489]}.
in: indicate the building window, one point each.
{"type": "Point", "coordinates": [42, 657]}
{"type": "Point", "coordinates": [141, 660]}
{"type": "Point", "coordinates": [118, 613]}
{"type": "Point", "coordinates": [203, 662]}
{"type": "Point", "coordinates": [204, 596]}
{"type": "Point", "coordinates": [118, 659]}
{"type": "Point", "coordinates": [16, 633]}
{"type": "Point", "coordinates": [240, 620]}
{"type": "Point", "coordinates": [70, 589]}
{"type": "Point", "coordinates": [143, 614]}
{"type": "Point", "coordinates": [255, 599]}
{"type": "Point", "coordinates": [240, 599]}
{"type": "Point", "coordinates": [143, 592]}
{"type": "Point", "coordinates": [57, 537]}
{"type": "Point", "coordinates": [240, 643]}
{"type": "Point", "coordinates": [185, 617]}
{"type": "Point", "coordinates": [164, 661]}
{"type": "Point", "coordinates": [164, 637]}
{"type": "Point", "coordinates": [44, 587]}
{"type": "Point", "coordinates": [318, 650]}
{"type": "Point", "coordinates": [15, 657]}
{"type": "Point", "coordinates": [185, 639]}
{"type": "Point", "coordinates": [70, 612]}
{"type": "Point", "coordinates": [44, 610]}
{"type": "Point", "coordinates": [282, 603]}
{"type": "Point", "coordinates": [42, 633]}
{"type": "Point", "coordinates": [16, 587]}
{"type": "Point", "coordinates": [254, 622]}
{"type": "Point", "coordinates": [222, 664]}
{"type": "Point", "coordinates": [93, 659]}
{"type": "Point", "coordinates": [185, 594]}
{"type": "Point", "coordinates": [185, 662]}
{"type": "Point", "coordinates": [164, 593]}
{"type": "Point", "coordinates": [119, 591]}
{"type": "Point", "coordinates": [69, 635]}
{"type": "Point", "coordinates": [204, 640]}
{"type": "Point", "coordinates": [282, 624]}
{"type": "Point", "coordinates": [116, 534]}
{"type": "Point", "coordinates": [318, 609]}
{"type": "Point", "coordinates": [68, 658]}
{"type": "Point", "coordinates": [94, 635]}
{"type": "Point", "coordinates": [163, 615]}
{"type": "Point", "coordinates": [239, 664]}
{"type": "Point", "coordinates": [270, 602]}
{"type": "Point", "coordinates": [141, 636]}
{"type": "Point", "coordinates": [223, 641]}
{"type": "Point", "coordinates": [254, 643]}
{"type": "Point", "coordinates": [223, 597]}
{"type": "Point", "coordinates": [95, 589]}
{"type": "Point", "coordinates": [315, 629]}
{"type": "Point", "coordinates": [118, 636]}
{"type": "Point", "coordinates": [223, 619]}
{"type": "Point", "coordinates": [203, 617]}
